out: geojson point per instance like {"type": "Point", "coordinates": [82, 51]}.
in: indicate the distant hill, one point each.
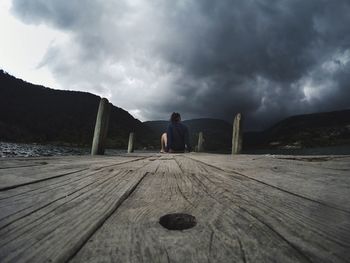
{"type": "Point", "coordinates": [309, 130]}
{"type": "Point", "coordinates": [302, 131]}
{"type": "Point", "coordinates": [217, 133]}
{"type": "Point", "coordinates": [33, 113]}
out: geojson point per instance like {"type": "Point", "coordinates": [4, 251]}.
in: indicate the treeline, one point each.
{"type": "Point", "coordinates": [33, 113]}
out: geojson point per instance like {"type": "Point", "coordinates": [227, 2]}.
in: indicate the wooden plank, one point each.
{"type": "Point", "coordinates": [319, 232]}
{"type": "Point", "coordinates": [66, 214]}
{"type": "Point", "coordinates": [7, 163]}
{"type": "Point", "coordinates": [248, 208]}
{"type": "Point", "coordinates": [19, 202]}
{"type": "Point", "coordinates": [16, 176]}
{"type": "Point", "coordinates": [319, 178]}
{"type": "Point", "coordinates": [239, 220]}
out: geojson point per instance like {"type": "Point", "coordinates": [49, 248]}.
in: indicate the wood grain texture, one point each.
{"type": "Point", "coordinates": [321, 178]}
{"type": "Point", "coordinates": [106, 209]}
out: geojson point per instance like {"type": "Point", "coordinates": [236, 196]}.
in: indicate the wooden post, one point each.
{"type": "Point", "coordinates": [200, 142]}
{"type": "Point", "coordinates": [131, 143]}
{"type": "Point", "coordinates": [237, 134]}
{"type": "Point", "coordinates": [101, 128]}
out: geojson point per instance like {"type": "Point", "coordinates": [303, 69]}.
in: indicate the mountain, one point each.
{"type": "Point", "coordinates": [301, 131]}
{"type": "Point", "coordinates": [217, 133]}
{"type": "Point", "coordinates": [33, 113]}
{"type": "Point", "coordinates": [309, 130]}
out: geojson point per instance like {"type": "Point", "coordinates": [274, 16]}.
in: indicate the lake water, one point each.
{"type": "Point", "coordinates": [35, 150]}
{"type": "Point", "coordinates": [8, 149]}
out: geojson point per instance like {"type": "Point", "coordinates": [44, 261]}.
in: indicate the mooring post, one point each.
{"type": "Point", "coordinates": [200, 142]}
{"type": "Point", "coordinates": [101, 128]}
{"type": "Point", "coordinates": [237, 134]}
{"type": "Point", "coordinates": [131, 142]}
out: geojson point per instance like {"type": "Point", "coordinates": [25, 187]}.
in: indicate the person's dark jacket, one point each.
{"type": "Point", "coordinates": [178, 137]}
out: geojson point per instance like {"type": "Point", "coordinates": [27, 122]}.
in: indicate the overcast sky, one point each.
{"type": "Point", "coordinates": [265, 58]}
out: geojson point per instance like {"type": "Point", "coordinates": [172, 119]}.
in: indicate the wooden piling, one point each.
{"type": "Point", "coordinates": [200, 142]}
{"type": "Point", "coordinates": [131, 142]}
{"type": "Point", "coordinates": [101, 128]}
{"type": "Point", "coordinates": [237, 134]}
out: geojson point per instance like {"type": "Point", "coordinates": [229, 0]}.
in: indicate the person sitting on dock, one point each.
{"type": "Point", "coordinates": [176, 139]}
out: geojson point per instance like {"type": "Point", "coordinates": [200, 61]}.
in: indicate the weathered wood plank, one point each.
{"type": "Point", "coordinates": [18, 203]}
{"type": "Point", "coordinates": [6, 163]}
{"type": "Point", "coordinates": [238, 220]}
{"type": "Point", "coordinates": [62, 219]}
{"type": "Point", "coordinates": [248, 209]}
{"type": "Point", "coordinates": [15, 176]}
{"type": "Point", "coordinates": [317, 231]}
{"type": "Point", "coordinates": [323, 179]}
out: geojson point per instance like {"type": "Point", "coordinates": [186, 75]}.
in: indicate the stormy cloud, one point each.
{"type": "Point", "coordinates": [267, 59]}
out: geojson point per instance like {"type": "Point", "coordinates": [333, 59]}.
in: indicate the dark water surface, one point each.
{"type": "Point", "coordinates": [8, 149]}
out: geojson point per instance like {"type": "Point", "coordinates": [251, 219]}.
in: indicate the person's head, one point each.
{"type": "Point", "coordinates": [175, 117]}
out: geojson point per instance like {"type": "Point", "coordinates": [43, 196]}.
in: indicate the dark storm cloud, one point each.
{"type": "Point", "coordinates": [267, 59]}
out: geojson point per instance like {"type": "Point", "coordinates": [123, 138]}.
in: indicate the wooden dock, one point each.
{"type": "Point", "coordinates": [248, 208]}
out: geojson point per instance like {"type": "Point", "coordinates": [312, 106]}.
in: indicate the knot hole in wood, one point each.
{"type": "Point", "coordinates": [177, 221]}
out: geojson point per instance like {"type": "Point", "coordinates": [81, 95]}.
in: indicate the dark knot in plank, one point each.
{"type": "Point", "coordinates": [178, 221]}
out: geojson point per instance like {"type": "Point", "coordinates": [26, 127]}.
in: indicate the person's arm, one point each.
{"type": "Point", "coordinates": [169, 134]}
{"type": "Point", "coordinates": [187, 140]}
